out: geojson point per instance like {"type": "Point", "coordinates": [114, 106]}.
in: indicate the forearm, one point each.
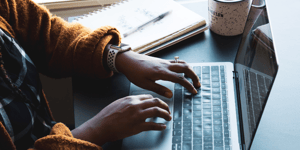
{"type": "Point", "coordinates": [57, 48]}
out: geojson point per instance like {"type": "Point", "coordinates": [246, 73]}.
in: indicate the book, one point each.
{"type": "Point", "coordinates": [65, 4]}
{"type": "Point", "coordinates": [180, 24]}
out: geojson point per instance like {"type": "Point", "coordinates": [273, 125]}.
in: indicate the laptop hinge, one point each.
{"type": "Point", "coordinates": [239, 112]}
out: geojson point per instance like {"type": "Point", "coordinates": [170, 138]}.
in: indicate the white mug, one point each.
{"type": "Point", "coordinates": [228, 17]}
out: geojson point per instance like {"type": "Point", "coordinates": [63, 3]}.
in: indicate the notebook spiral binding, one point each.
{"type": "Point", "coordinates": [104, 8]}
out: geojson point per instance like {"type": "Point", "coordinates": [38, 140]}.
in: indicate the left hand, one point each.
{"type": "Point", "coordinates": [143, 71]}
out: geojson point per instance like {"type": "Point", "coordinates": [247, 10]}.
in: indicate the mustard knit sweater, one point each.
{"type": "Point", "coordinates": [58, 49]}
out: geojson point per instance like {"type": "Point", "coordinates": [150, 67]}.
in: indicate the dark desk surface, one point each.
{"type": "Point", "coordinates": [279, 126]}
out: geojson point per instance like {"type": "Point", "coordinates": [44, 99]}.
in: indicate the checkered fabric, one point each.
{"type": "Point", "coordinates": [24, 123]}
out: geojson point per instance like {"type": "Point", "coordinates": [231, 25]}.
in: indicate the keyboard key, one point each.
{"type": "Point", "coordinates": [178, 146]}
{"type": "Point", "coordinates": [206, 105]}
{"type": "Point", "coordinates": [217, 121]}
{"type": "Point", "coordinates": [222, 74]}
{"type": "Point", "coordinates": [176, 132]}
{"type": "Point", "coordinates": [197, 141]}
{"type": "Point", "coordinates": [187, 132]}
{"type": "Point", "coordinates": [214, 68]}
{"type": "Point", "coordinates": [187, 104]}
{"type": "Point", "coordinates": [227, 148]}
{"type": "Point", "coordinates": [226, 134]}
{"type": "Point", "coordinates": [205, 82]}
{"type": "Point", "coordinates": [186, 146]}
{"type": "Point", "coordinates": [197, 121]}
{"type": "Point", "coordinates": [207, 132]}
{"type": "Point", "coordinates": [206, 112]}
{"type": "Point", "coordinates": [205, 76]}
{"type": "Point", "coordinates": [207, 125]}
{"type": "Point", "coordinates": [215, 78]}
{"type": "Point", "coordinates": [217, 128]}
{"type": "Point", "coordinates": [218, 135]}
{"type": "Point", "coordinates": [218, 143]}
{"type": "Point", "coordinates": [215, 73]}
{"type": "Point", "coordinates": [205, 70]}
{"type": "Point", "coordinates": [174, 147]}
{"type": "Point", "coordinates": [215, 84]}
{"type": "Point", "coordinates": [227, 141]}
{"type": "Point", "coordinates": [222, 68]}
{"type": "Point", "coordinates": [224, 98]}
{"type": "Point", "coordinates": [223, 86]}
{"type": "Point", "coordinates": [207, 118]}
{"type": "Point", "coordinates": [207, 139]}
{"type": "Point", "coordinates": [217, 115]}
{"type": "Point", "coordinates": [216, 96]}
{"type": "Point", "coordinates": [217, 108]}
{"type": "Point", "coordinates": [177, 124]}
{"type": "Point", "coordinates": [223, 80]}
{"type": "Point", "coordinates": [216, 102]}
{"type": "Point", "coordinates": [215, 90]}
{"type": "Point", "coordinates": [186, 138]}
{"type": "Point", "coordinates": [187, 117]}
{"type": "Point", "coordinates": [197, 127]}
{"type": "Point", "coordinates": [197, 134]}
{"type": "Point", "coordinates": [178, 86]}
{"type": "Point", "coordinates": [226, 126]}
{"type": "Point", "coordinates": [176, 139]}
{"type": "Point", "coordinates": [197, 69]}
{"type": "Point", "coordinates": [197, 114]}
{"type": "Point", "coordinates": [218, 148]}
{"type": "Point", "coordinates": [197, 147]}
{"type": "Point", "coordinates": [197, 107]}
{"type": "Point", "coordinates": [187, 111]}
{"type": "Point", "coordinates": [187, 125]}
{"type": "Point", "coordinates": [208, 146]}
{"type": "Point", "coordinates": [197, 100]}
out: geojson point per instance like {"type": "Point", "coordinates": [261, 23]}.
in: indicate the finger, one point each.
{"type": "Point", "coordinates": [178, 78]}
{"type": "Point", "coordinates": [155, 112]}
{"type": "Point", "coordinates": [157, 88]}
{"type": "Point", "coordinates": [155, 102]}
{"type": "Point", "coordinates": [146, 126]}
{"type": "Point", "coordinates": [184, 68]}
{"type": "Point", "coordinates": [144, 96]}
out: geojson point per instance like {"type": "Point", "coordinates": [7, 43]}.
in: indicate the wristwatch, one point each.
{"type": "Point", "coordinates": [112, 51]}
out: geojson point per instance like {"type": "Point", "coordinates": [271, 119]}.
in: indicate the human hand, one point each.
{"type": "Point", "coordinates": [122, 118]}
{"type": "Point", "coordinates": [143, 71]}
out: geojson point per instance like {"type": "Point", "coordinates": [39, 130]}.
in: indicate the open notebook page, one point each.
{"type": "Point", "coordinates": [133, 13]}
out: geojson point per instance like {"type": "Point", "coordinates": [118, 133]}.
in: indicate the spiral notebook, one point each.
{"type": "Point", "coordinates": [179, 25]}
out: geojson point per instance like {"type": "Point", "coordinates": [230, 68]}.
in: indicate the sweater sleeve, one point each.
{"type": "Point", "coordinates": [61, 137]}
{"type": "Point", "coordinates": [58, 48]}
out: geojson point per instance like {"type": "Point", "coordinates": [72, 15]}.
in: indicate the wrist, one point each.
{"type": "Point", "coordinates": [123, 59]}
{"type": "Point", "coordinates": [90, 133]}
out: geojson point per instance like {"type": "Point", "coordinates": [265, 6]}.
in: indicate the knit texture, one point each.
{"type": "Point", "coordinates": [58, 49]}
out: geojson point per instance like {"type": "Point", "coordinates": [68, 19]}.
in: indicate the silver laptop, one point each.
{"type": "Point", "coordinates": [225, 113]}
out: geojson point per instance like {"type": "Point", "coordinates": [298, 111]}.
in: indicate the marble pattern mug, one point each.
{"type": "Point", "coordinates": [228, 17]}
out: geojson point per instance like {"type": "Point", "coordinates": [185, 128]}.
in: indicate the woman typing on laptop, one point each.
{"type": "Point", "coordinates": [32, 41]}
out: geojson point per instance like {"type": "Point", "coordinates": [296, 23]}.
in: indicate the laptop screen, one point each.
{"type": "Point", "coordinates": [256, 67]}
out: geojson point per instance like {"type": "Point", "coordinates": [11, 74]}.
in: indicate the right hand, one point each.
{"type": "Point", "coordinates": [122, 118]}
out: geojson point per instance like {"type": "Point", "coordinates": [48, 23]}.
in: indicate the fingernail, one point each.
{"type": "Point", "coordinates": [168, 94]}
{"type": "Point", "coordinates": [199, 84]}
{"type": "Point", "coordinates": [163, 126]}
{"type": "Point", "coordinates": [170, 118]}
{"type": "Point", "coordinates": [195, 91]}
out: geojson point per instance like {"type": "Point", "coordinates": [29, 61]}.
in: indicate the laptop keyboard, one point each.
{"type": "Point", "coordinates": [200, 122]}
{"type": "Point", "coordinates": [256, 87]}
